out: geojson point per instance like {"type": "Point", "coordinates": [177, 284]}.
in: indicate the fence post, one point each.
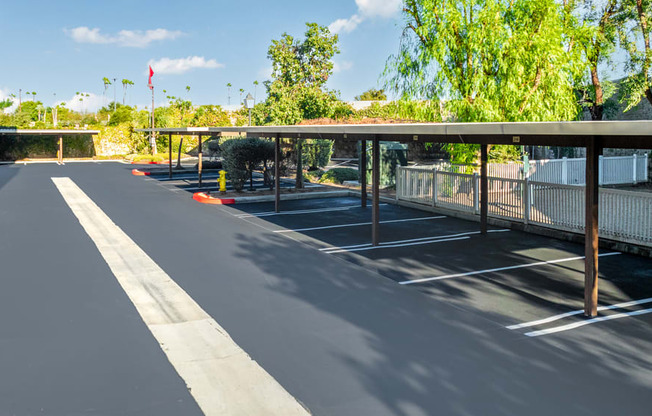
{"type": "Point", "coordinates": [634, 169]}
{"type": "Point", "coordinates": [435, 188]}
{"type": "Point", "coordinates": [526, 201]}
{"type": "Point", "coordinates": [647, 168]}
{"type": "Point", "coordinates": [476, 194]}
{"type": "Point", "coordinates": [564, 170]}
{"type": "Point", "coordinates": [398, 181]}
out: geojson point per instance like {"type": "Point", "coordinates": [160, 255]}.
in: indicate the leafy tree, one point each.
{"type": "Point", "coordinates": [5, 104]}
{"type": "Point", "coordinates": [635, 20]}
{"type": "Point", "coordinates": [372, 95]}
{"type": "Point", "coordinates": [242, 156]}
{"type": "Point", "coordinates": [592, 29]}
{"type": "Point", "coordinates": [300, 69]}
{"type": "Point", "coordinates": [491, 60]}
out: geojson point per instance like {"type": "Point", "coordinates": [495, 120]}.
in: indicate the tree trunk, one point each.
{"type": "Point", "coordinates": [597, 108]}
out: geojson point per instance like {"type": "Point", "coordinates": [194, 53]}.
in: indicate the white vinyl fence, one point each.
{"type": "Point", "coordinates": [624, 215]}
{"type": "Point", "coordinates": [613, 170]}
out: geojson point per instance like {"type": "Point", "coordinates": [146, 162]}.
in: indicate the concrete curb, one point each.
{"type": "Point", "coordinates": [136, 172]}
{"type": "Point", "coordinates": [204, 198]}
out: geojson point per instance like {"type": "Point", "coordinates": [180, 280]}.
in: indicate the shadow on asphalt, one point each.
{"type": "Point", "coordinates": [7, 173]}
{"type": "Point", "coordinates": [428, 355]}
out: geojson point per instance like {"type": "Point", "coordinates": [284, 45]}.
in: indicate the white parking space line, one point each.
{"type": "Point", "coordinates": [411, 240]}
{"type": "Point", "coordinates": [578, 312]}
{"type": "Point", "coordinates": [221, 377]}
{"type": "Point", "coordinates": [499, 269]}
{"type": "Point", "coordinates": [587, 322]}
{"type": "Point", "coordinates": [298, 211]}
{"type": "Point", "coordinates": [440, 240]}
{"type": "Point", "coordinates": [357, 224]}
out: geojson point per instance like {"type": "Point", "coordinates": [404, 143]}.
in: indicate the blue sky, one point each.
{"type": "Point", "coordinates": [67, 47]}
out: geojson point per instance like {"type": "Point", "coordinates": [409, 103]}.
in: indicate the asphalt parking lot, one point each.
{"type": "Point", "coordinates": [345, 328]}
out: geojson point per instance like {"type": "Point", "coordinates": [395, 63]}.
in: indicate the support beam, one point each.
{"type": "Point", "coordinates": [299, 178]}
{"type": "Point", "coordinates": [593, 151]}
{"type": "Point", "coordinates": [484, 188]}
{"type": "Point", "coordinates": [170, 155]}
{"type": "Point", "coordinates": [363, 173]}
{"type": "Point", "coordinates": [375, 192]}
{"type": "Point", "coordinates": [199, 164]}
{"type": "Point", "coordinates": [277, 174]}
{"type": "Point", "coordinates": [60, 150]}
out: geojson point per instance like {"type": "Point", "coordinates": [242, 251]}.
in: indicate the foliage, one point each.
{"type": "Point", "coordinates": [339, 175]}
{"type": "Point", "coordinates": [242, 156]}
{"type": "Point", "coordinates": [635, 27]}
{"type": "Point", "coordinates": [300, 69]}
{"type": "Point", "coordinates": [316, 153]}
{"type": "Point", "coordinates": [372, 94]}
{"type": "Point", "coordinates": [428, 111]}
{"type": "Point", "coordinates": [492, 60]}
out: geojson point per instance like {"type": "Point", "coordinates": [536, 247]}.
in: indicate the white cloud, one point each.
{"type": "Point", "coordinates": [84, 102]}
{"type": "Point", "coordinates": [342, 66]}
{"type": "Point", "coordinates": [366, 9]}
{"type": "Point", "coordinates": [381, 8]}
{"type": "Point", "coordinates": [345, 25]}
{"type": "Point", "coordinates": [129, 38]}
{"type": "Point", "coordinates": [182, 65]}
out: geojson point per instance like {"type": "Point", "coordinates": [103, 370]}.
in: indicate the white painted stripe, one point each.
{"type": "Point", "coordinates": [411, 240]}
{"type": "Point", "coordinates": [221, 377]}
{"type": "Point", "coordinates": [297, 212]}
{"type": "Point", "coordinates": [578, 312]}
{"type": "Point", "coordinates": [396, 245]}
{"type": "Point", "coordinates": [357, 224]}
{"type": "Point", "coordinates": [586, 322]}
{"type": "Point", "coordinates": [520, 266]}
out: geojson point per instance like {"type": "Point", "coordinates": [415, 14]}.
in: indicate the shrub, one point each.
{"type": "Point", "coordinates": [316, 153]}
{"type": "Point", "coordinates": [242, 156]}
{"type": "Point", "coordinates": [339, 175]}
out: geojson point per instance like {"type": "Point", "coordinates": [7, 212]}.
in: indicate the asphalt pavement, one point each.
{"type": "Point", "coordinates": [336, 329]}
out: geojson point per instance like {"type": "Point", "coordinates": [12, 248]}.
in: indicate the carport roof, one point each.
{"type": "Point", "coordinates": [45, 132]}
{"type": "Point", "coordinates": [615, 134]}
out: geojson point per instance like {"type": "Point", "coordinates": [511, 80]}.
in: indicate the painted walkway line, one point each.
{"type": "Point", "coordinates": [587, 322]}
{"type": "Point", "coordinates": [578, 312]}
{"type": "Point", "coordinates": [520, 266]}
{"type": "Point", "coordinates": [357, 224]}
{"type": "Point", "coordinates": [221, 377]}
{"type": "Point", "coordinates": [417, 243]}
{"type": "Point", "coordinates": [298, 211]}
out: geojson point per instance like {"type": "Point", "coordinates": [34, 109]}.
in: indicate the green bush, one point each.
{"type": "Point", "coordinates": [242, 156]}
{"type": "Point", "coordinates": [316, 153]}
{"type": "Point", "coordinates": [339, 175]}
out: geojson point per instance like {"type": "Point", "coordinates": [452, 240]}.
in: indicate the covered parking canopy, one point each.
{"type": "Point", "coordinates": [592, 135]}
{"type": "Point", "coordinates": [57, 134]}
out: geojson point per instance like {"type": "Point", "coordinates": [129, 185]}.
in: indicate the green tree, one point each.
{"type": "Point", "coordinates": [300, 69]}
{"type": "Point", "coordinates": [490, 60]}
{"type": "Point", "coordinates": [635, 22]}
{"type": "Point", "coordinates": [372, 94]}
{"type": "Point", "coordinates": [592, 30]}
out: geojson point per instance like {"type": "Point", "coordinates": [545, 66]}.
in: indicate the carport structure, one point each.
{"type": "Point", "coordinates": [592, 135]}
{"type": "Point", "coordinates": [57, 135]}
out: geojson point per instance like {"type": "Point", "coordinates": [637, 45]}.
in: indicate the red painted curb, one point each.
{"type": "Point", "coordinates": [136, 172]}
{"type": "Point", "coordinates": [164, 162]}
{"type": "Point", "coordinates": [207, 199]}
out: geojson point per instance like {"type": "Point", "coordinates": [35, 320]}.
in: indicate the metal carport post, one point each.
{"type": "Point", "coordinates": [363, 173]}
{"type": "Point", "coordinates": [591, 238]}
{"type": "Point", "coordinates": [375, 192]}
{"type": "Point", "coordinates": [277, 173]}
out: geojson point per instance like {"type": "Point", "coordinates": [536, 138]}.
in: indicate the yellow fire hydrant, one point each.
{"type": "Point", "coordinates": [222, 181]}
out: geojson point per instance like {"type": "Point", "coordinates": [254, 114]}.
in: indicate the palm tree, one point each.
{"type": "Point", "coordinates": [125, 83]}
{"type": "Point", "coordinates": [255, 87]}
{"type": "Point", "coordinates": [228, 93]}
{"type": "Point", "coordinates": [241, 92]}
{"type": "Point", "coordinates": [106, 82]}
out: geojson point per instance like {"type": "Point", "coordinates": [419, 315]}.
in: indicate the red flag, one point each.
{"type": "Point", "coordinates": [149, 81]}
